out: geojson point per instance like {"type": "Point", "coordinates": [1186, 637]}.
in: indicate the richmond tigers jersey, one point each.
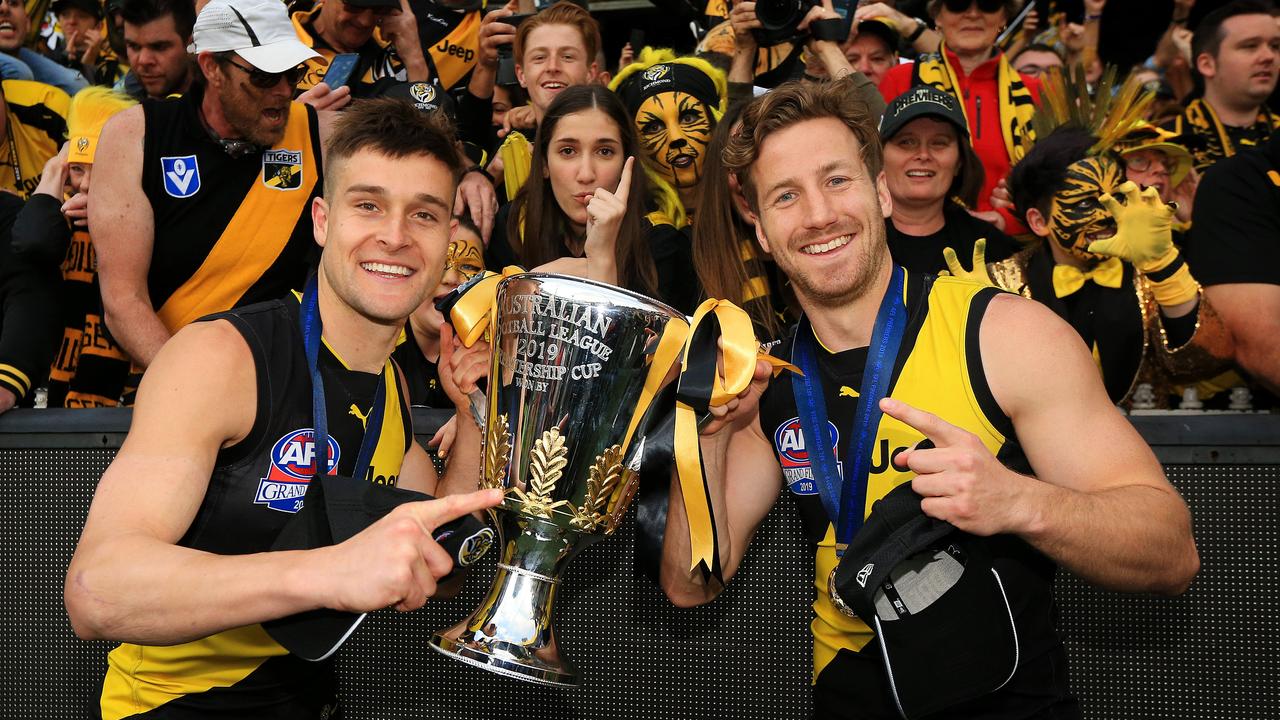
{"type": "Point", "coordinates": [256, 487]}
{"type": "Point", "coordinates": [37, 117]}
{"type": "Point", "coordinates": [450, 37]}
{"type": "Point", "coordinates": [90, 369]}
{"type": "Point", "coordinates": [938, 369]}
{"type": "Point", "coordinates": [229, 231]}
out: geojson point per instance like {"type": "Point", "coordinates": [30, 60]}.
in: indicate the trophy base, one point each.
{"type": "Point", "coordinates": [544, 666]}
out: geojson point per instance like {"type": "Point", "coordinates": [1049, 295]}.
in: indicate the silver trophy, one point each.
{"type": "Point", "coordinates": [571, 385]}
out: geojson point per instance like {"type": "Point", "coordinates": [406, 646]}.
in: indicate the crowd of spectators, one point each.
{"type": "Point", "coordinates": [206, 152]}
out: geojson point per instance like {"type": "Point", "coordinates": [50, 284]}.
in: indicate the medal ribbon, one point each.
{"type": "Point", "coordinates": [844, 498]}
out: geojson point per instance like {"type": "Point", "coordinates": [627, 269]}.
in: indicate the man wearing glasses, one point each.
{"type": "Point", "coordinates": [384, 33]}
{"type": "Point", "coordinates": [210, 210]}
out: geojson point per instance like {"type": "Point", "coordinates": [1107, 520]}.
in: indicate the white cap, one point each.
{"type": "Point", "coordinates": [258, 30]}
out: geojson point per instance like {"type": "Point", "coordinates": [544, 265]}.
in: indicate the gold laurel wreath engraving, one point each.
{"type": "Point", "coordinates": [497, 453]}
{"type": "Point", "coordinates": [604, 476]}
{"type": "Point", "coordinates": [546, 466]}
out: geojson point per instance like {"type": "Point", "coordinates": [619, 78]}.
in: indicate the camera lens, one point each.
{"type": "Point", "coordinates": [777, 15]}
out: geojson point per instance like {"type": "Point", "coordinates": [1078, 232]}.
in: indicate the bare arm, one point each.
{"type": "Point", "coordinates": [123, 232]}
{"type": "Point", "coordinates": [198, 397]}
{"type": "Point", "coordinates": [1099, 504]}
{"type": "Point", "coordinates": [1252, 312]}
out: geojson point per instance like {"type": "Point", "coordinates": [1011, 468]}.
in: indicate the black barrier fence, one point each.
{"type": "Point", "coordinates": [1211, 653]}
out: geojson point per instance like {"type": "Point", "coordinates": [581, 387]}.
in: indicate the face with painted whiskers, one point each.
{"type": "Point", "coordinates": [675, 128]}
{"type": "Point", "coordinates": [1076, 216]}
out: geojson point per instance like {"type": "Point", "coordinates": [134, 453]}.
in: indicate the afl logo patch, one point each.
{"type": "Point", "coordinates": [181, 175]}
{"type": "Point", "coordinates": [282, 169]}
{"type": "Point", "coordinates": [793, 456]}
{"type": "Point", "coordinates": [423, 92]}
{"type": "Point", "coordinates": [293, 462]}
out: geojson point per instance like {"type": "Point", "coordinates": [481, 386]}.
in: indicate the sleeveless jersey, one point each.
{"type": "Point", "coordinates": [256, 487]}
{"type": "Point", "coordinates": [939, 370]}
{"type": "Point", "coordinates": [37, 115]}
{"type": "Point", "coordinates": [450, 37]}
{"type": "Point", "coordinates": [90, 369]}
{"type": "Point", "coordinates": [228, 231]}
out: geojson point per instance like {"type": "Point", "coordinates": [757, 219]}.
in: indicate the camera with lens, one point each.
{"type": "Point", "coordinates": [779, 21]}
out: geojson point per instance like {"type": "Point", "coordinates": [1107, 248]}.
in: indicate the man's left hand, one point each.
{"type": "Point", "coordinates": [959, 478]}
{"type": "Point", "coordinates": [322, 97]}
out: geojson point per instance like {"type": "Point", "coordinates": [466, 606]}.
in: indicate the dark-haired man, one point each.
{"type": "Point", "coordinates": [223, 446]}
{"type": "Point", "coordinates": [156, 35]}
{"type": "Point", "coordinates": [209, 210]}
{"type": "Point", "coordinates": [981, 374]}
{"type": "Point", "coordinates": [1236, 50]}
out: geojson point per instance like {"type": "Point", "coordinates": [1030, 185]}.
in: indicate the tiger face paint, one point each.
{"type": "Point", "coordinates": [1077, 217]}
{"type": "Point", "coordinates": [464, 257]}
{"type": "Point", "coordinates": [675, 128]}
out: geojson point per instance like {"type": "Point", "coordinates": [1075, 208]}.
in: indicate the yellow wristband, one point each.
{"type": "Point", "coordinates": [1178, 288]}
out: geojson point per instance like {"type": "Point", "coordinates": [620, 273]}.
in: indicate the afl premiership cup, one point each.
{"type": "Point", "coordinates": [575, 368]}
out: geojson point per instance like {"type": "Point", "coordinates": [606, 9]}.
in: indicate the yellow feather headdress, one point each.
{"type": "Point", "coordinates": [1107, 114]}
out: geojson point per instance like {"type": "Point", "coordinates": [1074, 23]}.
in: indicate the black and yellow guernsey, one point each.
{"type": "Point", "coordinates": [37, 116]}
{"type": "Point", "coordinates": [229, 231]}
{"type": "Point", "coordinates": [938, 369]}
{"type": "Point", "coordinates": [256, 487]}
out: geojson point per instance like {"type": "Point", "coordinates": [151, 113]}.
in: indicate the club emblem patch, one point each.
{"type": "Point", "coordinates": [181, 175]}
{"type": "Point", "coordinates": [474, 547]}
{"type": "Point", "coordinates": [423, 92]}
{"type": "Point", "coordinates": [282, 169]}
{"type": "Point", "coordinates": [82, 144]}
{"type": "Point", "coordinates": [788, 442]}
{"type": "Point", "coordinates": [293, 462]}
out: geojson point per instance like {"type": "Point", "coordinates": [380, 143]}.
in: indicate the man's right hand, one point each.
{"type": "Point", "coordinates": [494, 34]}
{"type": "Point", "coordinates": [743, 19]}
{"type": "Point", "coordinates": [396, 561]}
{"type": "Point", "coordinates": [322, 97]}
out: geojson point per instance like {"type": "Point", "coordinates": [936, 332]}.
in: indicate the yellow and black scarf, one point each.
{"type": "Point", "coordinates": [1016, 104]}
{"type": "Point", "coordinates": [1204, 135]}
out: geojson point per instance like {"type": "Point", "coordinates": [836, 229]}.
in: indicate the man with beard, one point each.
{"type": "Point", "coordinates": [156, 35]}
{"type": "Point", "coordinates": [980, 374]}
{"type": "Point", "coordinates": [210, 210]}
{"type": "Point", "coordinates": [1236, 50]}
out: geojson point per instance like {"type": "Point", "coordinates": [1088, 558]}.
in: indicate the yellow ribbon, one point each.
{"type": "Point", "coordinates": [1068, 279]}
{"type": "Point", "coordinates": [470, 315]}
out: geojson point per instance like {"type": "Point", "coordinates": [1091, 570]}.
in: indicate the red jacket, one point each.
{"type": "Point", "coordinates": [982, 106]}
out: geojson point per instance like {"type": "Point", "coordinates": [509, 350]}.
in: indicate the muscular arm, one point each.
{"type": "Point", "coordinates": [1251, 312]}
{"type": "Point", "coordinates": [123, 232]}
{"type": "Point", "coordinates": [745, 480]}
{"type": "Point", "coordinates": [1100, 504]}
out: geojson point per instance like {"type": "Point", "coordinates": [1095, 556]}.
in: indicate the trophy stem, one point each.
{"type": "Point", "coordinates": [511, 632]}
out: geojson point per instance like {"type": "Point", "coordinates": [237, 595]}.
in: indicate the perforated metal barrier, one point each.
{"type": "Point", "coordinates": [1212, 653]}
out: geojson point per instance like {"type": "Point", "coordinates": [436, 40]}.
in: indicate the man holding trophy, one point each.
{"type": "Point", "coordinates": [932, 383]}
{"type": "Point", "coordinates": [242, 416]}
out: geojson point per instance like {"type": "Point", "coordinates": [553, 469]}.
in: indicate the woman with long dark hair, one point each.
{"type": "Point", "coordinates": [572, 217]}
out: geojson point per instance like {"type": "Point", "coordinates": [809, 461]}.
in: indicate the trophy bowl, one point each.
{"type": "Point", "coordinates": [572, 380]}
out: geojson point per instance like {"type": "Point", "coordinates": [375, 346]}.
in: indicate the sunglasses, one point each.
{"type": "Point", "coordinates": [265, 80]}
{"type": "Point", "coordinates": [379, 12]}
{"type": "Point", "coordinates": [986, 6]}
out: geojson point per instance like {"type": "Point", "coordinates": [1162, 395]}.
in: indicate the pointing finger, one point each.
{"type": "Point", "coordinates": [624, 182]}
{"type": "Point", "coordinates": [434, 513]}
{"type": "Point", "coordinates": [941, 432]}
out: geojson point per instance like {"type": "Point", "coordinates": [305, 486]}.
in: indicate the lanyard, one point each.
{"type": "Point", "coordinates": [845, 498]}
{"type": "Point", "coordinates": [309, 319]}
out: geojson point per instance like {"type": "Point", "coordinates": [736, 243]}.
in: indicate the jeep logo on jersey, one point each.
{"type": "Point", "coordinates": [181, 175]}
{"type": "Point", "coordinates": [293, 462]}
{"type": "Point", "coordinates": [282, 169]}
{"type": "Point", "coordinates": [788, 440]}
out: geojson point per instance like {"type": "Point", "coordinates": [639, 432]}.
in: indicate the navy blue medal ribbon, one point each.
{"type": "Point", "coordinates": [312, 334]}
{"type": "Point", "coordinates": [844, 498]}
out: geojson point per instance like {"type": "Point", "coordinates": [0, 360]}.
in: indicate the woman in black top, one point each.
{"type": "Point", "coordinates": [933, 174]}
{"type": "Point", "coordinates": [571, 217]}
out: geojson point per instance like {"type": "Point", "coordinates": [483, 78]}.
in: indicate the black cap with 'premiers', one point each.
{"type": "Point", "coordinates": [921, 101]}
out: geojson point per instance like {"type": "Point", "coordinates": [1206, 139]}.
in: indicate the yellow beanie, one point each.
{"type": "Point", "coordinates": [90, 110]}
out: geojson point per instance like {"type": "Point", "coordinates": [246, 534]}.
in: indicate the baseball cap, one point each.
{"type": "Point", "coordinates": [93, 7]}
{"type": "Point", "coordinates": [426, 96]}
{"type": "Point", "coordinates": [882, 30]}
{"type": "Point", "coordinates": [258, 30]}
{"type": "Point", "coordinates": [920, 101]}
{"type": "Point", "coordinates": [935, 601]}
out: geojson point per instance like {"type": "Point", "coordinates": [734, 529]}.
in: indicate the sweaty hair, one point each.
{"type": "Point", "coordinates": [537, 225]}
{"type": "Point", "coordinates": [392, 128]}
{"type": "Point", "coordinates": [1043, 170]}
{"type": "Point", "coordinates": [562, 13]}
{"type": "Point", "coordinates": [1209, 34]}
{"type": "Point", "coordinates": [141, 12]}
{"type": "Point", "coordinates": [796, 102]}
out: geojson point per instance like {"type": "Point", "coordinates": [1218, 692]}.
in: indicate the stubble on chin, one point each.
{"type": "Point", "coordinates": [845, 287]}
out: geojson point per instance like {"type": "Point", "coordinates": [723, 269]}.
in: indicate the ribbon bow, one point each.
{"type": "Point", "coordinates": [1068, 279]}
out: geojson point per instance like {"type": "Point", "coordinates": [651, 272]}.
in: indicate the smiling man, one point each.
{"type": "Point", "coordinates": [204, 202]}
{"type": "Point", "coordinates": [981, 374]}
{"type": "Point", "coordinates": [176, 560]}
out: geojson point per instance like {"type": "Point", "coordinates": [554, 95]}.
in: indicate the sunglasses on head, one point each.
{"type": "Point", "coordinates": [986, 6]}
{"type": "Point", "coordinates": [380, 11]}
{"type": "Point", "coordinates": [265, 80]}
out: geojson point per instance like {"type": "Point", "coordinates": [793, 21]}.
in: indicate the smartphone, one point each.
{"type": "Point", "coordinates": [340, 69]}
{"type": "Point", "coordinates": [637, 40]}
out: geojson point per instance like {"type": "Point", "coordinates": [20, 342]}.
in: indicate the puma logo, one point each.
{"type": "Point", "coordinates": [364, 417]}
{"type": "Point", "coordinates": [846, 391]}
